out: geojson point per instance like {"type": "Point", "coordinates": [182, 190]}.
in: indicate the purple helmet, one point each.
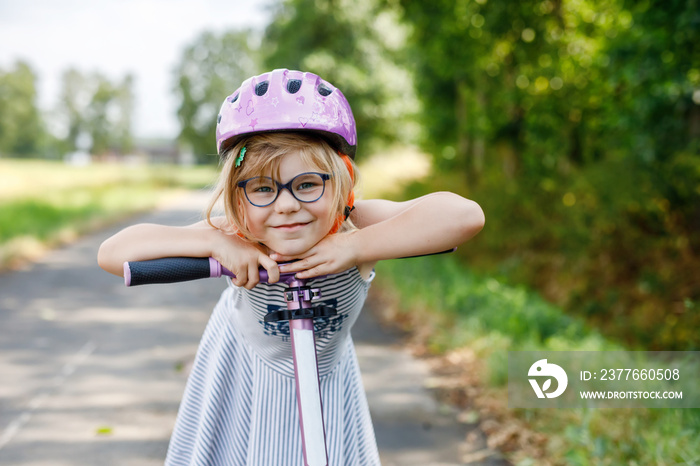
{"type": "Point", "coordinates": [285, 100]}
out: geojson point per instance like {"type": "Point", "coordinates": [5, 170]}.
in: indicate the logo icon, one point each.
{"type": "Point", "coordinates": [543, 368]}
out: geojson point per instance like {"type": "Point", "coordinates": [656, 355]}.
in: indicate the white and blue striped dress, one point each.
{"type": "Point", "coordinates": [240, 407]}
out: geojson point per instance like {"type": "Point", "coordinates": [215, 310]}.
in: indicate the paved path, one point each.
{"type": "Point", "coordinates": [91, 373]}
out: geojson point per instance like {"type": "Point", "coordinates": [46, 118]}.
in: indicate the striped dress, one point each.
{"type": "Point", "coordinates": [240, 407]}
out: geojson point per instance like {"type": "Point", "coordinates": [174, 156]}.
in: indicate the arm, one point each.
{"type": "Point", "coordinates": [150, 241]}
{"type": "Point", "coordinates": [426, 225]}
{"type": "Point", "coordinates": [390, 230]}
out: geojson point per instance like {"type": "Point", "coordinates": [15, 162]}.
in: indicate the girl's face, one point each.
{"type": "Point", "coordinates": [288, 226]}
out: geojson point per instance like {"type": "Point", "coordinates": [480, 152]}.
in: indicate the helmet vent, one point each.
{"type": "Point", "coordinates": [324, 90]}
{"type": "Point", "coordinates": [235, 98]}
{"type": "Point", "coordinates": [293, 86]}
{"type": "Point", "coordinates": [218, 119]}
{"type": "Point", "coordinates": [261, 88]}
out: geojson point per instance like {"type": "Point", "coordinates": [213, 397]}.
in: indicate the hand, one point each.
{"type": "Point", "coordinates": [333, 254]}
{"type": "Point", "coordinates": [244, 259]}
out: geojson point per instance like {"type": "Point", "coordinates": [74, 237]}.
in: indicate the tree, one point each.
{"type": "Point", "coordinates": [561, 82]}
{"type": "Point", "coordinates": [74, 99]}
{"type": "Point", "coordinates": [211, 68]}
{"type": "Point", "coordinates": [597, 104]}
{"type": "Point", "coordinates": [490, 76]}
{"type": "Point", "coordinates": [357, 46]}
{"type": "Point", "coordinates": [108, 116]}
{"type": "Point", "coordinates": [654, 77]}
{"type": "Point", "coordinates": [21, 127]}
{"type": "Point", "coordinates": [96, 110]}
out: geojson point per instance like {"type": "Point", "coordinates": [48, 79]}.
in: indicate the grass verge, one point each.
{"type": "Point", "coordinates": [45, 203]}
{"type": "Point", "coordinates": [471, 321]}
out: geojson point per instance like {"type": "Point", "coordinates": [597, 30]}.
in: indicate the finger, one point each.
{"type": "Point", "coordinates": [273, 271]}
{"type": "Point", "coordinates": [287, 258]}
{"type": "Point", "coordinates": [290, 267]}
{"type": "Point", "coordinates": [253, 275]}
{"type": "Point", "coordinates": [312, 272]}
{"type": "Point", "coordinates": [299, 266]}
{"type": "Point", "coordinates": [296, 266]}
{"type": "Point", "coordinates": [280, 257]}
{"type": "Point", "coordinates": [241, 277]}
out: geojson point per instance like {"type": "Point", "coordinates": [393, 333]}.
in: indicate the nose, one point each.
{"type": "Point", "coordinates": [286, 202]}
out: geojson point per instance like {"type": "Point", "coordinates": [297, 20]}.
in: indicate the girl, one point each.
{"type": "Point", "coordinates": [287, 140]}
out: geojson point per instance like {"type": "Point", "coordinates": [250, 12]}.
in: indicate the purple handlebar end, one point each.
{"type": "Point", "coordinates": [127, 274]}
{"type": "Point", "coordinates": [215, 268]}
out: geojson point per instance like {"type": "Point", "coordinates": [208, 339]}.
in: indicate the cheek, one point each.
{"type": "Point", "coordinates": [253, 221]}
{"type": "Point", "coordinates": [249, 217]}
{"type": "Point", "coordinates": [326, 213]}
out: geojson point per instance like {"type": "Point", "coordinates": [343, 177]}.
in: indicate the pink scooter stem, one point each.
{"type": "Point", "coordinates": [308, 389]}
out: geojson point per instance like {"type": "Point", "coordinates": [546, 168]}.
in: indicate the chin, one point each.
{"type": "Point", "coordinates": [296, 244]}
{"type": "Point", "coordinates": [289, 248]}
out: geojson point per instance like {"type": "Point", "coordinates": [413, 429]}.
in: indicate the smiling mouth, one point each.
{"type": "Point", "coordinates": [291, 226]}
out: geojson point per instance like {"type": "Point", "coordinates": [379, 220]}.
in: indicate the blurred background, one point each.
{"type": "Point", "coordinates": [575, 124]}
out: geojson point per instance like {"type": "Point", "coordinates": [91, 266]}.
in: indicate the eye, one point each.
{"type": "Point", "coordinates": [261, 185]}
{"type": "Point", "coordinates": [308, 182]}
{"type": "Point", "coordinates": [307, 185]}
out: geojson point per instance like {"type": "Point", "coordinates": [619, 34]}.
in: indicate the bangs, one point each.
{"type": "Point", "coordinates": [266, 152]}
{"type": "Point", "coordinates": [263, 157]}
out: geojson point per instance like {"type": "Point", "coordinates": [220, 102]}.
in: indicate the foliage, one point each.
{"type": "Point", "coordinates": [465, 309]}
{"type": "Point", "coordinates": [576, 125]}
{"type": "Point", "coordinates": [93, 114]}
{"type": "Point", "coordinates": [210, 69]}
{"type": "Point", "coordinates": [21, 126]}
{"type": "Point", "coordinates": [589, 242]}
{"type": "Point", "coordinates": [357, 46]}
{"type": "Point", "coordinates": [96, 113]}
{"type": "Point", "coordinates": [481, 309]}
{"type": "Point", "coordinates": [557, 82]}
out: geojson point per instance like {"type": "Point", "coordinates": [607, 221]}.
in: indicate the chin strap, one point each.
{"type": "Point", "coordinates": [351, 197]}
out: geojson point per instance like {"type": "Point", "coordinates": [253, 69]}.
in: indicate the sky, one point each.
{"type": "Point", "coordinates": [115, 37]}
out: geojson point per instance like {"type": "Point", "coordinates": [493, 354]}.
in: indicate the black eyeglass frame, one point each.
{"type": "Point", "coordinates": [288, 186]}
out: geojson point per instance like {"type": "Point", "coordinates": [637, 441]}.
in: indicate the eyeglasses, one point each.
{"type": "Point", "coordinates": [262, 191]}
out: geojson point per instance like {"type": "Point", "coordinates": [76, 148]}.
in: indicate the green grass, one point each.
{"type": "Point", "coordinates": [44, 203]}
{"type": "Point", "coordinates": [464, 309]}
{"type": "Point", "coordinates": [22, 178]}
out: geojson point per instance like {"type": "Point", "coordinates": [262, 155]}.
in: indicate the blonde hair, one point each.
{"type": "Point", "coordinates": [263, 155]}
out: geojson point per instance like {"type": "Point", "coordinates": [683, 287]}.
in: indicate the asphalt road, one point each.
{"type": "Point", "coordinates": [91, 372]}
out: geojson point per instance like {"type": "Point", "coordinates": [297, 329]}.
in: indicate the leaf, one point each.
{"type": "Point", "coordinates": [546, 385]}
{"type": "Point", "coordinates": [104, 430]}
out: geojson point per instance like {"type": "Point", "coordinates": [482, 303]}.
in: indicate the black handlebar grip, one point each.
{"type": "Point", "coordinates": [167, 270]}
